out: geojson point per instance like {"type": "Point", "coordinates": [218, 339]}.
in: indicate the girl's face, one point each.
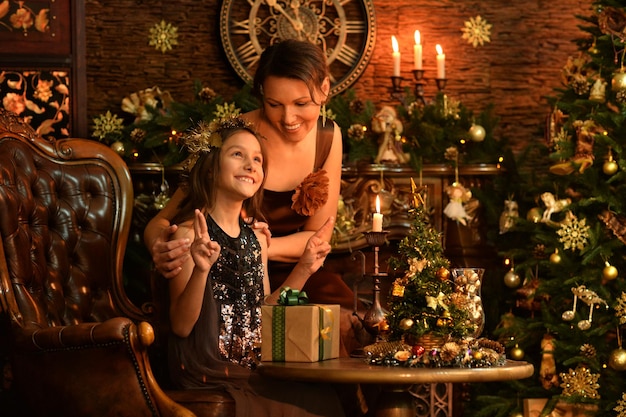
{"type": "Point", "coordinates": [289, 107]}
{"type": "Point", "coordinates": [241, 166]}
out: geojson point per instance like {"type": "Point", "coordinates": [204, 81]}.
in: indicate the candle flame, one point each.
{"type": "Point", "coordinates": [394, 44]}
{"type": "Point", "coordinates": [418, 39]}
{"type": "Point", "coordinates": [377, 204]}
{"type": "Point", "coordinates": [439, 49]}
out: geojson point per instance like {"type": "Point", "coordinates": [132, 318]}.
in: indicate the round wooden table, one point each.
{"type": "Point", "coordinates": [395, 400]}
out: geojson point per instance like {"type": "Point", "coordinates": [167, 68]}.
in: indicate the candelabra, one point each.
{"type": "Point", "coordinates": [397, 92]}
{"type": "Point", "coordinates": [374, 318]}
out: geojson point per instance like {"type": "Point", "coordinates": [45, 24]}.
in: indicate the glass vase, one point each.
{"type": "Point", "coordinates": [467, 286]}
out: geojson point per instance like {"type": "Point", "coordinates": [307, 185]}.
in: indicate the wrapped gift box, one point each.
{"type": "Point", "coordinates": [300, 333]}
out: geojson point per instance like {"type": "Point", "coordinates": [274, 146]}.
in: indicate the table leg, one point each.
{"type": "Point", "coordinates": [395, 401]}
{"type": "Point", "coordinates": [425, 400]}
{"type": "Point", "coordinates": [433, 400]}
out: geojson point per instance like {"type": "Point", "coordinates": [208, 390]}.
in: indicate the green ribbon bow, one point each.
{"type": "Point", "coordinates": [289, 297]}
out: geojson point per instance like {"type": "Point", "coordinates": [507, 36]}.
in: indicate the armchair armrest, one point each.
{"type": "Point", "coordinates": [90, 366]}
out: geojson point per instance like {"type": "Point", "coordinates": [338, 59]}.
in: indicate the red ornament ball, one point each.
{"type": "Point", "coordinates": [418, 350]}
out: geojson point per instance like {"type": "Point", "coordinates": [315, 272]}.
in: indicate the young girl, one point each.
{"type": "Point", "coordinates": [215, 300]}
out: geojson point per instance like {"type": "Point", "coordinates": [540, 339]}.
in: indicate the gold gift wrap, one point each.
{"type": "Point", "coordinates": [300, 333]}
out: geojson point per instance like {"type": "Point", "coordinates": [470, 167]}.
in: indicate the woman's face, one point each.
{"type": "Point", "coordinates": [289, 107]}
{"type": "Point", "coordinates": [241, 166]}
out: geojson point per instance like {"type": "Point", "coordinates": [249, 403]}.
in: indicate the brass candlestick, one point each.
{"type": "Point", "coordinates": [418, 75]}
{"type": "Point", "coordinates": [441, 83]}
{"type": "Point", "coordinates": [396, 84]}
{"type": "Point", "coordinates": [375, 315]}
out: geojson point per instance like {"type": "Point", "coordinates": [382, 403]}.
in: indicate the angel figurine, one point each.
{"type": "Point", "coordinates": [455, 208]}
{"type": "Point", "coordinates": [390, 128]}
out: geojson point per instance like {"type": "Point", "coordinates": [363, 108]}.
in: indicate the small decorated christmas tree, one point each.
{"type": "Point", "coordinates": [430, 320]}
{"type": "Point", "coordinates": [422, 299]}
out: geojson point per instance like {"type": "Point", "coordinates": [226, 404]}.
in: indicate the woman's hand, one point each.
{"type": "Point", "coordinates": [169, 255]}
{"type": "Point", "coordinates": [203, 250]}
{"type": "Point", "coordinates": [263, 228]}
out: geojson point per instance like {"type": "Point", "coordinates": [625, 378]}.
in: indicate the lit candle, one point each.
{"type": "Point", "coordinates": [417, 51]}
{"type": "Point", "coordinates": [377, 220]}
{"type": "Point", "coordinates": [441, 63]}
{"type": "Point", "coordinates": [395, 56]}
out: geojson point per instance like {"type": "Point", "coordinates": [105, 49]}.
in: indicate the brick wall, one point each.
{"type": "Point", "coordinates": [530, 42]}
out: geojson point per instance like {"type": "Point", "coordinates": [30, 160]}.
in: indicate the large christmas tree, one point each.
{"type": "Point", "coordinates": [565, 288]}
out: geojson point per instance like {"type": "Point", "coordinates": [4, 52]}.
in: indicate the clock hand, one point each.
{"type": "Point", "coordinates": [296, 23]}
{"type": "Point", "coordinates": [295, 6]}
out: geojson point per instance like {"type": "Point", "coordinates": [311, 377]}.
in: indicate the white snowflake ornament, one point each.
{"type": "Point", "coordinates": [476, 31]}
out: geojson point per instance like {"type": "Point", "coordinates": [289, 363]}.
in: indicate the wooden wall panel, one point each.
{"type": "Point", "coordinates": [530, 43]}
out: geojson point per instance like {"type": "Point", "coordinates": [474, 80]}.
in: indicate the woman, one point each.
{"type": "Point", "coordinates": [302, 186]}
{"type": "Point", "coordinates": [215, 301]}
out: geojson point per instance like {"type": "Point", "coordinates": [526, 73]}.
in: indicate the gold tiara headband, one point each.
{"type": "Point", "coordinates": [207, 136]}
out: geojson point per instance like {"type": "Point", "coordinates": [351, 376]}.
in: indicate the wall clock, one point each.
{"type": "Point", "coordinates": [345, 29]}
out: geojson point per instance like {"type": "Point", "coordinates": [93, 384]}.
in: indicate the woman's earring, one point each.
{"type": "Point", "coordinates": [324, 114]}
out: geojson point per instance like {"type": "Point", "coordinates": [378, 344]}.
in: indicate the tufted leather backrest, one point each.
{"type": "Point", "coordinates": [65, 214]}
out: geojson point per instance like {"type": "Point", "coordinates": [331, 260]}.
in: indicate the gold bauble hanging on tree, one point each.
{"type": "Point", "coordinates": [477, 133]}
{"type": "Point", "coordinates": [555, 258]}
{"type": "Point", "coordinates": [517, 353]}
{"type": "Point", "coordinates": [406, 324]}
{"type": "Point", "coordinates": [609, 167]}
{"type": "Point", "coordinates": [609, 272]}
{"type": "Point", "coordinates": [618, 82]}
{"type": "Point", "coordinates": [443, 274]}
{"type": "Point", "coordinates": [617, 359]}
{"type": "Point", "coordinates": [118, 147]}
{"type": "Point", "coordinates": [511, 279]}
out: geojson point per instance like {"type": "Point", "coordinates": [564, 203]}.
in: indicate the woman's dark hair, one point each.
{"type": "Point", "coordinates": [201, 184]}
{"type": "Point", "coordinates": [298, 60]}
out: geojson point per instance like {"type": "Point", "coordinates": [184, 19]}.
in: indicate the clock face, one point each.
{"type": "Point", "coordinates": [345, 30]}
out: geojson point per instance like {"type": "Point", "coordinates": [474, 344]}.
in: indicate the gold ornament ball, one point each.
{"type": "Point", "coordinates": [511, 279]}
{"type": "Point", "coordinates": [478, 355]}
{"type": "Point", "coordinates": [477, 133]}
{"type": "Point", "coordinates": [443, 274]}
{"type": "Point", "coordinates": [517, 353]}
{"type": "Point", "coordinates": [406, 324]}
{"type": "Point", "coordinates": [555, 258]}
{"type": "Point", "coordinates": [118, 147]}
{"type": "Point", "coordinates": [609, 272]}
{"type": "Point", "coordinates": [609, 167]}
{"type": "Point", "coordinates": [383, 326]}
{"type": "Point", "coordinates": [516, 414]}
{"type": "Point", "coordinates": [534, 215]}
{"type": "Point", "coordinates": [619, 81]}
{"type": "Point", "coordinates": [617, 359]}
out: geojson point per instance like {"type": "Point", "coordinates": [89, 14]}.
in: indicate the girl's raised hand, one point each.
{"type": "Point", "coordinates": [317, 248]}
{"type": "Point", "coordinates": [204, 251]}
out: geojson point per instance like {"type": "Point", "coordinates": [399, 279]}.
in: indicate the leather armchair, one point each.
{"type": "Point", "coordinates": [77, 345]}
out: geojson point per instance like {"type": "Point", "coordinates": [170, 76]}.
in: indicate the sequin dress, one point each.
{"type": "Point", "coordinates": [222, 349]}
